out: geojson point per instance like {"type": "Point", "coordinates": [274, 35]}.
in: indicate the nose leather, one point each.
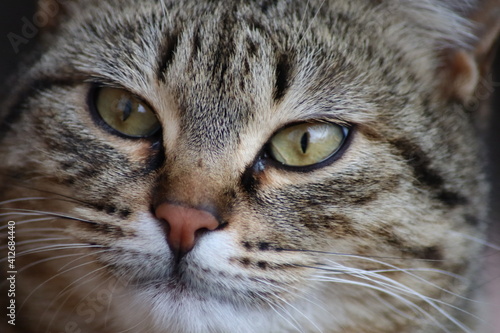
{"type": "Point", "coordinates": [185, 224]}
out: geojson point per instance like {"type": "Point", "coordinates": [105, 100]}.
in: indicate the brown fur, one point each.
{"type": "Point", "coordinates": [380, 239]}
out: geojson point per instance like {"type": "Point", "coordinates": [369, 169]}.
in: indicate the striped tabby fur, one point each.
{"type": "Point", "coordinates": [386, 238]}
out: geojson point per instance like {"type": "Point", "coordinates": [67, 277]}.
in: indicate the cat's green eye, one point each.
{"type": "Point", "coordinates": [307, 144]}
{"type": "Point", "coordinates": [125, 113]}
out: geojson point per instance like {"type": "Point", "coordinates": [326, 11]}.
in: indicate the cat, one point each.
{"type": "Point", "coordinates": [247, 166]}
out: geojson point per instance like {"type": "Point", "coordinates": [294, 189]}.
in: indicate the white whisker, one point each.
{"type": "Point", "coordinates": [288, 303]}
{"type": "Point", "coordinates": [41, 261]}
{"type": "Point", "coordinates": [385, 291]}
{"type": "Point", "coordinates": [22, 200]}
{"type": "Point", "coordinates": [39, 231]}
{"type": "Point", "coordinates": [30, 212]}
{"type": "Point", "coordinates": [39, 240]}
{"type": "Point", "coordinates": [22, 222]}
{"type": "Point", "coordinates": [477, 240]}
{"type": "Point", "coordinates": [292, 323]}
{"type": "Point", "coordinates": [58, 247]}
{"type": "Point", "coordinates": [63, 292]}
{"type": "Point", "coordinates": [386, 284]}
{"type": "Point", "coordinates": [53, 278]}
{"type": "Point", "coordinates": [83, 256]}
{"type": "Point", "coordinates": [311, 22]}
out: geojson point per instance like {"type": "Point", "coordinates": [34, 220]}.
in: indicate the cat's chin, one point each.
{"type": "Point", "coordinates": [182, 308]}
{"type": "Point", "coordinates": [189, 288]}
{"type": "Point", "coordinates": [177, 306]}
{"type": "Point", "coordinates": [187, 311]}
{"type": "Point", "coordinates": [184, 301]}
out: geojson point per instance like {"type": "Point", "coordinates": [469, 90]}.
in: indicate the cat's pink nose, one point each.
{"type": "Point", "coordinates": [185, 224]}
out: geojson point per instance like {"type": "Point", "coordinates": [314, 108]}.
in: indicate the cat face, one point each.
{"type": "Point", "coordinates": [243, 167]}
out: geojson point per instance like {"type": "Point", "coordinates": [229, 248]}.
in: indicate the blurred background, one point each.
{"type": "Point", "coordinates": [14, 13]}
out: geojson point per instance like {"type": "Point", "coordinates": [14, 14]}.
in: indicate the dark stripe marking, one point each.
{"type": "Point", "coordinates": [472, 220]}
{"type": "Point", "coordinates": [283, 71]}
{"type": "Point", "coordinates": [388, 236]}
{"type": "Point", "coordinates": [252, 47]}
{"type": "Point", "coordinates": [431, 253]}
{"type": "Point", "coordinates": [196, 44]}
{"type": "Point", "coordinates": [108, 229]}
{"type": "Point", "coordinates": [427, 176]}
{"type": "Point", "coordinates": [263, 246]}
{"type": "Point", "coordinates": [340, 225]}
{"type": "Point", "coordinates": [168, 54]}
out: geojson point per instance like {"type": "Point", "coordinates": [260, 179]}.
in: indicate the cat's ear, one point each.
{"type": "Point", "coordinates": [466, 70]}
{"type": "Point", "coordinates": [50, 13]}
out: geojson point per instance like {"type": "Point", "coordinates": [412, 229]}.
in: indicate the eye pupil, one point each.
{"type": "Point", "coordinates": [304, 142]}
{"type": "Point", "coordinates": [126, 106]}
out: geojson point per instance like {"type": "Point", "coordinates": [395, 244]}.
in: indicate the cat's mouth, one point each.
{"type": "Point", "coordinates": [182, 285]}
{"type": "Point", "coordinates": [216, 268]}
{"type": "Point", "coordinates": [187, 279]}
